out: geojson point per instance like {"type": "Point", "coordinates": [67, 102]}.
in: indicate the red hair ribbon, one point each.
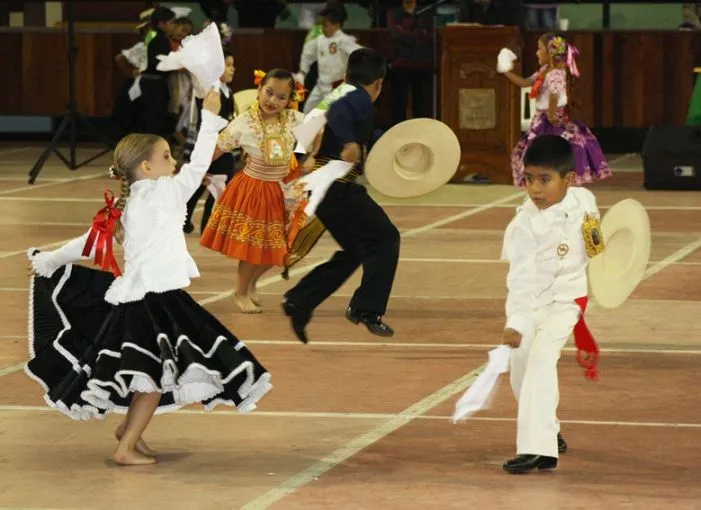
{"type": "Point", "coordinates": [587, 349]}
{"type": "Point", "coordinates": [101, 234]}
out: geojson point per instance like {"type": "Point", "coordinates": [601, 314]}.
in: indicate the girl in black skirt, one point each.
{"type": "Point", "coordinates": [135, 343]}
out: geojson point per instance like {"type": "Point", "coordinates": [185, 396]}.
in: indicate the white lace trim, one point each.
{"type": "Point", "coordinates": [42, 262]}
{"type": "Point", "coordinates": [196, 384]}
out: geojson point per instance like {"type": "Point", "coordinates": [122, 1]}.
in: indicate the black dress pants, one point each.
{"type": "Point", "coordinates": [419, 82]}
{"type": "Point", "coordinates": [367, 237]}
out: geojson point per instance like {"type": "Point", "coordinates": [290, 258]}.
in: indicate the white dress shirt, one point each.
{"type": "Point", "coordinates": [155, 252]}
{"type": "Point", "coordinates": [547, 257]}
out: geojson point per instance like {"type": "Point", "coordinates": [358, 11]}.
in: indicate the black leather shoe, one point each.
{"type": "Point", "coordinates": [298, 319]}
{"type": "Point", "coordinates": [561, 445]}
{"type": "Point", "coordinates": [372, 321]}
{"type": "Point", "coordinates": [525, 463]}
{"type": "Point", "coordinates": [188, 228]}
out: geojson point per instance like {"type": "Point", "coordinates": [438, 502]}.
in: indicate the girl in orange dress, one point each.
{"type": "Point", "coordinates": [249, 220]}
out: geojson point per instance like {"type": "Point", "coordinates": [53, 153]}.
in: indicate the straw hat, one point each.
{"type": "Point", "coordinates": [413, 158]}
{"type": "Point", "coordinates": [616, 272]}
{"type": "Point", "coordinates": [243, 99]}
{"type": "Point", "coordinates": [144, 18]}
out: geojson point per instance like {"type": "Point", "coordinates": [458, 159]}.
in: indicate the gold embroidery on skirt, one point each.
{"type": "Point", "coordinates": [593, 237]}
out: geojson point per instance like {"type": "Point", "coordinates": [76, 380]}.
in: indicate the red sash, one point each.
{"type": "Point", "coordinates": [587, 349]}
{"type": "Point", "coordinates": [101, 234]}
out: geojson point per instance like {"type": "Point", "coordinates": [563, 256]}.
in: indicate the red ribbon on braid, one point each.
{"type": "Point", "coordinates": [101, 234]}
{"type": "Point", "coordinates": [587, 348]}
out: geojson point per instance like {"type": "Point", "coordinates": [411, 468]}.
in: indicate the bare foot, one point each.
{"type": "Point", "coordinates": [253, 295]}
{"type": "Point", "coordinates": [245, 304]}
{"type": "Point", "coordinates": [141, 445]}
{"type": "Point", "coordinates": [132, 458]}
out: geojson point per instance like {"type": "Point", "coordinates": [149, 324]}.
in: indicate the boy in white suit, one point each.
{"type": "Point", "coordinates": [330, 50]}
{"type": "Point", "coordinates": [548, 245]}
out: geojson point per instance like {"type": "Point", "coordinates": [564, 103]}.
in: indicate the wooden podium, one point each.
{"type": "Point", "coordinates": [481, 106]}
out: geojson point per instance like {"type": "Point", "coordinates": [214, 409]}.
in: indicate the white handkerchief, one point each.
{"type": "Point", "coordinates": [478, 395]}
{"type": "Point", "coordinates": [319, 181]}
{"type": "Point", "coordinates": [216, 185]}
{"type": "Point", "coordinates": [135, 89]}
{"type": "Point", "coordinates": [307, 131]}
{"type": "Point", "coordinates": [201, 54]}
{"type": "Point", "coordinates": [505, 60]}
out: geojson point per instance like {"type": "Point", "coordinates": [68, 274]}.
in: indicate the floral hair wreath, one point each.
{"type": "Point", "coordinates": [560, 50]}
{"type": "Point", "coordinates": [298, 92]}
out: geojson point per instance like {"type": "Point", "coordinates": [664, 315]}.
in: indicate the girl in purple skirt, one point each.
{"type": "Point", "coordinates": [551, 87]}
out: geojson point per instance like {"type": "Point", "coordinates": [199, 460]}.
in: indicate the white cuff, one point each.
{"type": "Point", "coordinates": [211, 122]}
{"type": "Point", "coordinates": [42, 263]}
{"type": "Point", "coordinates": [520, 323]}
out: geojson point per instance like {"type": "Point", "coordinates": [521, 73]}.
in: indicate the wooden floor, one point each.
{"type": "Point", "coordinates": [354, 422]}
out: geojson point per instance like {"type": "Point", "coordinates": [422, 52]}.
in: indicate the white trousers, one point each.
{"type": "Point", "coordinates": [317, 95]}
{"type": "Point", "coordinates": [534, 379]}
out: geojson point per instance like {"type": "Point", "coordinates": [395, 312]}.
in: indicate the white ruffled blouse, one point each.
{"type": "Point", "coordinates": [156, 258]}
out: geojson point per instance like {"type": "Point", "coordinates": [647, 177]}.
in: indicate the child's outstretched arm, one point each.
{"type": "Point", "coordinates": [45, 263]}
{"type": "Point", "coordinates": [183, 185]}
{"type": "Point", "coordinates": [520, 249]}
{"type": "Point", "coordinates": [517, 80]}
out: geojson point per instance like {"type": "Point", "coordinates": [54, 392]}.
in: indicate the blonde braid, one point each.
{"type": "Point", "coordinates": [124, 190]}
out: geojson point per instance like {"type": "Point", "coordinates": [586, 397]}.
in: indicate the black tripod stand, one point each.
{"type": "Point", "coordinates": [72, 115]}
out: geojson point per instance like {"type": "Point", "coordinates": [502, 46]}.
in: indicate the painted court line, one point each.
{"type": "Point", "coordinates": [379, 432]}
{"type": "Point", "coordinates": [374, 416]}
{"type": "Point", "coordinates": [13, 150]}
{"type": "Point", "coordinates": [9, 254]}
{"type": "Point", "coordinates": [51, 183]}
{"type": "Point", "coordinates": [485, 347]}
{"type": "Point", "coordinates": [627, 350]}
{"type": "Point", "coordinates": [52, 199]}
{"type": "Point", "coordinates": [13, 368]}
{"type": "Point", "coordinates": [360, 443]}
{"type": "Point", "coordinates": [303, 269]}
{"type": "Point", "coordinates": [409, 233]}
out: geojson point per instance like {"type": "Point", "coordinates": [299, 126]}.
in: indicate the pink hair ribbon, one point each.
{"type": "Point", "coordinates": [572, 54]}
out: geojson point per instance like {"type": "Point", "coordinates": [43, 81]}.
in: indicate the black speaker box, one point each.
{"type": "Point", "coordinates": [672, 158]}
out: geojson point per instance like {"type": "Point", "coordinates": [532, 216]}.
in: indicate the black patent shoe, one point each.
{"type": "Point", "coordinates": [525, 463]}
{"type": "Point", "coordinates": [298, 319]}
{"type": "Point", "coordinates": [561, 444]}
{"type": "Point", "coordinates": [372, 321]}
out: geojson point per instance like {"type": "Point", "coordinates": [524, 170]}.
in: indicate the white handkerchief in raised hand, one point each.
{"type": "Point", "coordinates": [201, 54]}
{"type": "Point", "coordinates": [319, 181]}
{"type": "Point", "coordinates": [505, 60]}
{"type": "Point", "coordinates": [478, 395]}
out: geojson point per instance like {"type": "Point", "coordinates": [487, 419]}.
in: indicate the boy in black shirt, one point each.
{"type": "Point", "coordinates": [360, 226]}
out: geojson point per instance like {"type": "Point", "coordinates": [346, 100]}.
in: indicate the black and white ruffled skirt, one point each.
{"type": "Point", "coordinates": [91, 356]}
